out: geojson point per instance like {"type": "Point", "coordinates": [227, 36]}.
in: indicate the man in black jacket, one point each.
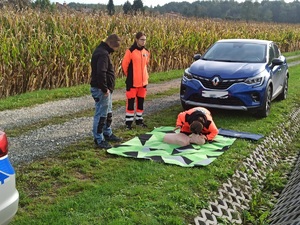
{"type": "Point", "coordinates": [102, 86]}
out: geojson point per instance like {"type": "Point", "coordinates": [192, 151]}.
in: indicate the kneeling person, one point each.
{"type": "Point", "coordinates": [197, 125]}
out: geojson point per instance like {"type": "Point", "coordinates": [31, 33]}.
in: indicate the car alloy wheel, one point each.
{"type": "Point", "coordinates": [283, 94]}
{"type": "Point", "coordinates": [266, 108]}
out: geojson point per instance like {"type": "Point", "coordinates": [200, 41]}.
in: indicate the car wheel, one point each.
{"type": "Point", "coordinates": [283, 94]}
{"type": "Point", "coordinates": [265, 109]}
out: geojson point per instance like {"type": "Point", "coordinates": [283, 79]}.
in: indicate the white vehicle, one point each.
{"type": "Point", "coordinates": [9, 196]}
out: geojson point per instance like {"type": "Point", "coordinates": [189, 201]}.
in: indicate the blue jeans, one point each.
{"type": "Point", "coordinates": [103, 113]}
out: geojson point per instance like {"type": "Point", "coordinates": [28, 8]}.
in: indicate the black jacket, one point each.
{"type": "Point", "coordinates": [103, 74]}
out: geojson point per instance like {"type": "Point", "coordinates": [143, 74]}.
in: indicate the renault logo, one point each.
{"type": "Point", "coordinates": [215, 81]}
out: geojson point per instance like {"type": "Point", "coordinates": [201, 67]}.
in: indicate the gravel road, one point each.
{"type": "Point", "coordinates": [50, 139]}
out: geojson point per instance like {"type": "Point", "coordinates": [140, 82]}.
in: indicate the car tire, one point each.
{"type": "Point", "coordinates": [283, 94]}
{"type": "Point", "coordinates": [185, 106]}
{"type": "Point", "coordinates": [266, 108]}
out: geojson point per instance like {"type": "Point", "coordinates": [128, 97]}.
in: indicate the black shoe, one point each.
{"type": "Point", "coordinates": [113, 138]}
{"type": "Point", "coordinates": [103, 144]}
{"type": "Point", "coordinates": [140, 123]}
{"type": "Point", "coordinates": [128, 125]}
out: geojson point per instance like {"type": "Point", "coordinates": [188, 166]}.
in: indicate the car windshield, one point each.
{"type": "Point", "coordinates": [236, 52]}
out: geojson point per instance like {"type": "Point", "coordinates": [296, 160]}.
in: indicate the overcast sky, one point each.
{"type": "Point", "coordinates": [121, 2]}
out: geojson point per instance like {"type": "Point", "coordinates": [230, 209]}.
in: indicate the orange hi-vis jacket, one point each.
{"type": "Point", "coordinates": [185, 118]}
{"type": "Point", "coordinates": [134, 66]}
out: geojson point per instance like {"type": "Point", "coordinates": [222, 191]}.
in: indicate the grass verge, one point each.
{"type": "Point", "coordinates": [82, 185]}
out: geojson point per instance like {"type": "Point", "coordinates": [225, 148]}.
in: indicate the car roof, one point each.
{"type": "Point", "coordinates": [254, 41]}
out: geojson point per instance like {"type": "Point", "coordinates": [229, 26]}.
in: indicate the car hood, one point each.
{"type": "Point", "coordinates": [226, 70]}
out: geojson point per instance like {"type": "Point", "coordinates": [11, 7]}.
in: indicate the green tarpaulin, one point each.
{"type": "Point", "coordinates": [151, 146]}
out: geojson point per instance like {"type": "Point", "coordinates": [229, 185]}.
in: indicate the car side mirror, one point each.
{"type": "Point", "coordinates": [197, 56]}
{"type": "Point", "coordinates": [276, 62]}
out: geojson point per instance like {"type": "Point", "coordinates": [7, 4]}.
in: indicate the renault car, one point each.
{"type": "Point", "coordinates": [236, 74]}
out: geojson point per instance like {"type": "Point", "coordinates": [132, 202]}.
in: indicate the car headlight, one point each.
{"type": "Point", "coordinates": [187, 75]}
{"type": "Point", "coordinates": [258, 80]}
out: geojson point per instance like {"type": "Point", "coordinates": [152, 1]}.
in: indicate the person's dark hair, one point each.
{"type": "Point", "coordinates": [196, 127]}
{"type": "Point", "coordinates": [139, 34]}
{"type": "Point", "coordinates": [113, 40]}
{"type": "Point", "coordinates": [202, 119]}
{"type": "Point", "coordinates": [196, 115]}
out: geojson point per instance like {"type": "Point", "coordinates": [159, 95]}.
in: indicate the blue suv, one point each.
{"type": "Point", "coordinates": [236, 74]}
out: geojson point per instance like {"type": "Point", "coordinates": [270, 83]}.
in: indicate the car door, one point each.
{"type": "Point", "coordinates": [278, 70]}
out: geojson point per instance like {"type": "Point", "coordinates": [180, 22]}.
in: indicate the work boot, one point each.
{"type": "Point", "coordinates": [128, 125]}
{"type": "Point", "coordinates": [140, 123]}
{"type": "Point", "coordinates": [103, 144]}
{"type": "Point", "coordinates": [112, 138]}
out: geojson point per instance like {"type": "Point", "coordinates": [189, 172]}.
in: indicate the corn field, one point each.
{"type": "Point", "coordinates": [42, 50]}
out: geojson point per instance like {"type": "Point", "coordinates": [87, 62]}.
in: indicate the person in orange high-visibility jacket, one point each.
{"type": "Point", "coordinates": [197, 120]}
{"type": "Point", "coordinates": [134, 66]}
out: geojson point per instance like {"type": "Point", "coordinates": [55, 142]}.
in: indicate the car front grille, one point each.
{"type": "Point", "coordinates": [232, 101]}
{"type": "Point", "coordinates": [222, 85]}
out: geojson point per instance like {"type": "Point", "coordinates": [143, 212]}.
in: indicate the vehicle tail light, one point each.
{"type": "Point", "coordinates": [3, 144]}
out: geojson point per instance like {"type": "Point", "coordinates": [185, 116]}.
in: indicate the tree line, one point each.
{"type": "Point", "coordinates": [265, 11]}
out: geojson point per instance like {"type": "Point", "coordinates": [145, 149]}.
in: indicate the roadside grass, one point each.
{"type": "Point", "coordinates": [290, 54]}
{"type": "Point", "coordinates": [83, 185]}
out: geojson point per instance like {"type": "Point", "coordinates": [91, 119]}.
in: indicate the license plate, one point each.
{"type": "Point", "coordinates": [215, 94]}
